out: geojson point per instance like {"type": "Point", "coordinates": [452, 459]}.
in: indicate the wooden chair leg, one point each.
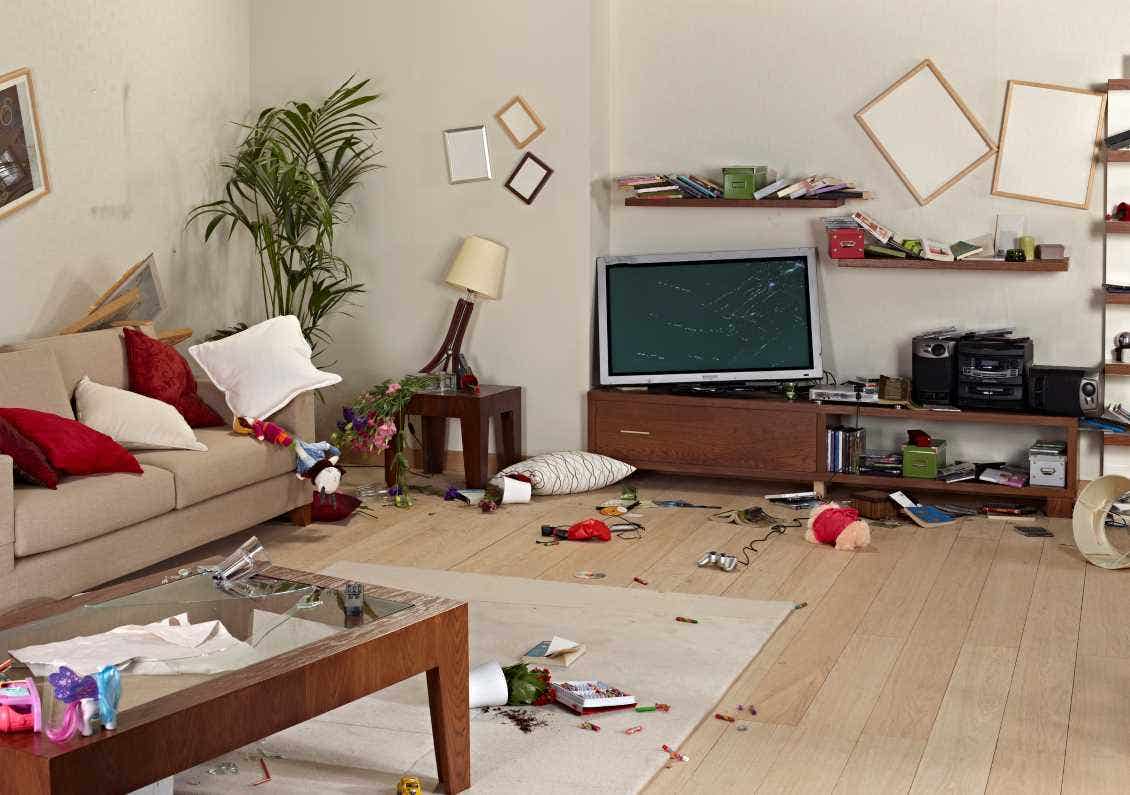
{"type": "Point", "coordinates": [303, 514]}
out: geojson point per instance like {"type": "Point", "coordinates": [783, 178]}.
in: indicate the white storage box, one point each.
{"type": "Point", "coordinates": [1045, 469]}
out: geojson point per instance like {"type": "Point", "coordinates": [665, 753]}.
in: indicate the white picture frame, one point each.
{"type": "Point", "coordinates": [23, 166]}
{"type": "Point", "coordinates": [926, 132]}
{"type": "Point", "coordinates": [1049, 135]}
{"type": "Point", "coordinates": [468, 156]}
{"type": "Point", "coordinates": [519, 121]}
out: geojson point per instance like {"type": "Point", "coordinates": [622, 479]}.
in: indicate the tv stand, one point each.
{"type": "Point", "coordinates": [783, 440]}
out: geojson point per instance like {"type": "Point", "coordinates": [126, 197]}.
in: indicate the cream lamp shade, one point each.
{"type": "Point", "coordinates": [1088, 520]}
{"type": "Point", "coordinates": [479, 267]}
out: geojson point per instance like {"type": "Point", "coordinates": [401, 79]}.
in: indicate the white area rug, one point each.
{"type": "Point", "coordinates": [633, 642]}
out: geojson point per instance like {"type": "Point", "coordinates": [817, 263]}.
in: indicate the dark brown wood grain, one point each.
{"type": "Point", "coordinates": [796, 204]}
{"type": "Point", "coordinates": [164, 736]}
{"type": "Point", "coordinates": [1033, 266]}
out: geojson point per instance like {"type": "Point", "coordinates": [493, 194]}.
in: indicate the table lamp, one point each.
{"type": "Point", "coordinates": [478, 268]}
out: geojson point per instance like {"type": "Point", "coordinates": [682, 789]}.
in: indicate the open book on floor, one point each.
{"type": "Point", "coordinates": [557, 652]}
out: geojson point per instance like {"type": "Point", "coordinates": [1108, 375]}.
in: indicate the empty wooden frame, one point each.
{"type": "Point", "coordinates": [528, 178]}
{"type": "Point", "coordinates": [926, 132]}
{"type": "Point", "coordinates": [1047, 145]}
{"type": "Point", "coordinates": [519, 122]}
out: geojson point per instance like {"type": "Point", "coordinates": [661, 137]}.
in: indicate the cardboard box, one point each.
{"type": "Point", "coordinates": [923, 462]}
{"type": "Point", "coordinates": [845, 243]}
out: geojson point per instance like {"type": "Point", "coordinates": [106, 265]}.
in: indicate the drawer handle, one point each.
{"type": "Point", "coordinates": [635, 433]}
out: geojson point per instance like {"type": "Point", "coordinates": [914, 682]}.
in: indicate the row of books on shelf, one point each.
{"type": "Point", "coordinates": [843, 457]}
{"type": "Point", "coordinates": [846, 448]}
{"type": "Point", "coordinates": [693, 186]}
{"type": "Point", "coordinates": [1115, 419]}
{"type": "Point", "coordinates": [889, 244]}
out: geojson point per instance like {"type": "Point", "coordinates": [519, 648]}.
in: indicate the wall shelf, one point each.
{"type": "Point", "coordinates": [1117, 155]}
{"type": "Point", "coordinates": [1032, 266]}
{"type": "Point", "coordinates": [1117, 368]}
{"type": "Point", "coordinates": [1118, 227]}
{"type": "Point", "coordinates": [1116, 298]}
{"type": "Point", "coordinates": [1116, 439]}
{"type": "Point", "coordinates": [796, 204]}
{"type": "Point", "coordinates": [962, 487]}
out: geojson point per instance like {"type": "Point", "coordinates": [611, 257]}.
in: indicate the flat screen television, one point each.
{"type": "Point", "coordinates": [715, 317]}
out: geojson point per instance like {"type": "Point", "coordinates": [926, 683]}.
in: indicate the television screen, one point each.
{"type": "Point", "coordinates": [726, 316]}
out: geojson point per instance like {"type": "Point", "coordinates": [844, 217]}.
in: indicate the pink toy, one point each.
{"type": "Point", "coordinates": [834, 524]}
{"type": "Point", "coordinates": [20, 710]}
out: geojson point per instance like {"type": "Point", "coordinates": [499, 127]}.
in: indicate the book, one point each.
{"type": "Point", "coordinates": [883, 251]}
{"type": "Point", "coordinates": [798, 185]}
{"type": "Point", "coordinates": [589, 695]}
{"type": "Point", "coordinates": [770, 189]}
{"type": "Point", "coordinates": [555, 652]}
{"type": "Point", "coordinates": [667, 186]}
{"type": "Point", "coordinates": [933, 250]}
{"type": "Point", "coordinates": [928, 516]}
{"type": "Point", "coordinates": [958, 472]}
{"type": "Point", "coordinates": [707, 185]}
{"type": "Point", "coordinates": [963, 250]}
{"type": "Point", "coordinates": [688, 187]}
{"type": "Point", "coordinates": [1118, 140]}
{"type": "Point", "coordinates": [877, 230]}
{"type": "Point", "coordinates": [1005, 476]}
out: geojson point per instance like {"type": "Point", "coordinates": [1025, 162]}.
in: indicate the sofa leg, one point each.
{"type": "Point", "coordinates": [302, 515]}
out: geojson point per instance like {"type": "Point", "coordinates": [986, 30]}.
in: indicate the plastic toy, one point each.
{"type": "Point", "coordinates": [73, 690]}
{"type": "Point", "coordinates": [409, 785]}
{"type": "Point", "coordinates": [20, 710]}
{"type": "Point", "coordinates": [316, 461]}
{"type": "Point", "coordinates": [833, 524]}
{"type": "Point", "coordinates": [109, 681]}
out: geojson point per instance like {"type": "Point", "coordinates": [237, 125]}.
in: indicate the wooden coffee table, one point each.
{"type": "Point", "coordinates": [170, 723]}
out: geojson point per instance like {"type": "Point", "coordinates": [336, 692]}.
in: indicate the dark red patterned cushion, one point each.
{"type": "Point", "coordinates": [333, 507]}
{"type": "Point", "coordinates": [71, 447]}
{"type": "Point", "coordinates": [156, 370]}
{"type": "Point", "coordinates": [30, 465]}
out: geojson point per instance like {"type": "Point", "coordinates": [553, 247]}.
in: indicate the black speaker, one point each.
{"type": "Point", "coordinates": [934, 370]}
{"type": "Point", "coordinates": [1067, 391]}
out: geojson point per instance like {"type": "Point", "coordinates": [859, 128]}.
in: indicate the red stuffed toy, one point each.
{"type": "Point", "coordinates": [833, 524]}
{"type": "Point", "coordinates": [590, 530]}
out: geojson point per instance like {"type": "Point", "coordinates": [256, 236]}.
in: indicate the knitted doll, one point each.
{"type": "Point", "coordinates": [316, 461]}
{"type": "Point", "coordinates": [833, 524]}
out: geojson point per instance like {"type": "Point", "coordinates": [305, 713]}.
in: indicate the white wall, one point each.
{"type": "Point", "coordinates": [135, 99]}
{"type": "Point", "coordinates": [443, 64]}
{"type": "Point", "coordinates": [699, 85]}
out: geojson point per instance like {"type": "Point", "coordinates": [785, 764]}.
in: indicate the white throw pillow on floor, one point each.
{"type": "Point", "coordinates": [263, 368]}
{"type": "Point", "coordinates": [570, 473]}
{"type": "Point", "coordinates": [134, 421]}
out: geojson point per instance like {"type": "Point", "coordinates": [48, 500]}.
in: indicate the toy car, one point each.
{"type": "Point", "coordinates": [409, 785]}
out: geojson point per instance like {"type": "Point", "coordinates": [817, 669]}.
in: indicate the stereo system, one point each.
{"type": "Point", "coordinates": [996, 372]}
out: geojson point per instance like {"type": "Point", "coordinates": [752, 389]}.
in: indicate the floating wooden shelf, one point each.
{"type": "Point", "coordinates": [1116, 439]}
{"type": "Point", "coordinates": [1118, 84]}
{"type": "Point", "coordinates": [1117, 368]}
{"type": "Point", "coordinates": [920, 416]}
{"type": "Point", "coordinates": [1118, 227]}
{"type": "Point", "coordinates": [796, 204]}
{"type": "Point", "coordinates": [1117, 298]}
{"type": "Point", "coordinates": [1031, 266]}
{"type": "Point", "coordinates": [963, 487]}
{"type": "Point", "coordinates": [1117, 155]}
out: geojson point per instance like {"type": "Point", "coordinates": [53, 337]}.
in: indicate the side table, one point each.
{"type": "Point", "coordinates": [502, 404]}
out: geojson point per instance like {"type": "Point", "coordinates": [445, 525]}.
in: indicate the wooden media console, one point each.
{"type": "Point", "coordinates": [781, 440]}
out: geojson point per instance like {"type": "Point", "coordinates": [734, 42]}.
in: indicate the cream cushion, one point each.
{"type": "Point", "coordinates": [31, 379]}
{"type": "Point", "coordinates": [569, 473]}
{"type": "Point", "coordinates": [87, 507]}
{"type": "Point", "coordinates": [134, 421]}
{"type": "Point", "coordinates": [231, 462]}
{"type": "Point", "coordinates": [263, 368]}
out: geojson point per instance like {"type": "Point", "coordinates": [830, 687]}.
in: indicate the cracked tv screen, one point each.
{"type": "Point", "coordinates": [710, 316]}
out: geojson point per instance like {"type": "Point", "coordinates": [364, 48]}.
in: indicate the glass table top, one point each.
{"type": "Point", "coordinates": [181, 632]}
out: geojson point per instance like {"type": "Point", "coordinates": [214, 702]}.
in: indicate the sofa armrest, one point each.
{"type": "Point", "coordinates": [7, 516]}
{"type": "Point", "coordinates": [297, 416]}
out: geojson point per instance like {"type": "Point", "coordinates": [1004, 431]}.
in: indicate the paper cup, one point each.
{"type": "Point", "coordinates": [514, 490]}
{"type": "Point", "coordinates": [488, 686]}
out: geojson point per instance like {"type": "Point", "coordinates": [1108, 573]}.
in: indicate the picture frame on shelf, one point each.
{"type": "Point", "coordinates": [468, 155]}
{"type": "Point", "coordinates": [519, 121]}
{"type": "Point", "coordinates": [23, 165]}
{"type": "Point", "coordinates": [931, 149]}
{"type": "Point", "coordinates": [1049, 134]}
{"type": "Point", "coordinates": [529, 177]}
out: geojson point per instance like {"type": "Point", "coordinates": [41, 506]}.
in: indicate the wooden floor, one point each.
{"type": "Point", "coordinates": [963, 659]}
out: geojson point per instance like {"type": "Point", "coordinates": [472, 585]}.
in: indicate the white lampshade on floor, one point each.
{"type": "Point", "coordinates": [479, 267]}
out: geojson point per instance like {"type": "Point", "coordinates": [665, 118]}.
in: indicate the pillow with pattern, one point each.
{"type": "Point", "coordinates": [569, 473]}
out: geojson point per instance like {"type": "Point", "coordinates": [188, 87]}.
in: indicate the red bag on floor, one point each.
{"type": "Point", "coordinates": [590, 530]}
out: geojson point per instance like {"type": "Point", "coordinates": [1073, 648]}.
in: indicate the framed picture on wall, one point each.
{"type": "Point", "coordinates": [23, 169]}
{"type": "Point", "coordinates": [519, 122]}
{"type": "Point", "coordinates": [468, 159]}
{"type": "Point", "coordinates": [529, 177]}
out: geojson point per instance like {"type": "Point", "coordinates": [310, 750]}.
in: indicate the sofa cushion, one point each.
{"type": "Point", "coordinates": [31, 379]}
{"type": "Point", "coordinates": [156, 370]}
{"type": "Point", "coordinates": [230, 462]}
{"type": "Point", "coordinates": [98, 354]}
{"type": "Point", "coordinates": [87, 507]}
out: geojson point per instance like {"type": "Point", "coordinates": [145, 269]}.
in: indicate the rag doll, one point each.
{"type": "Point", "coordinates": [834, 524]}
{"type": "Point", "coordinates": [316, 461]}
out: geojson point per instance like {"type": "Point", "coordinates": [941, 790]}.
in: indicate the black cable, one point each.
{"type": "Point", "coordinates": [777, 529]}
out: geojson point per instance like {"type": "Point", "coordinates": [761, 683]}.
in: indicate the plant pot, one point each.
{"type": "Point", "coordinates": [488, 686]}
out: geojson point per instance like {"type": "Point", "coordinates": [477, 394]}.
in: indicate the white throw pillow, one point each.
{"type": "Point", "coordinates": [263, 368]}
{"type": "Point", "coordinates": [134, 421]}
{"type": "Point", "coordinates": [570, 473]}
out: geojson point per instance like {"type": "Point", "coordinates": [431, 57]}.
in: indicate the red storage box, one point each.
{"type": "Point", "coordinates": [845, 243]}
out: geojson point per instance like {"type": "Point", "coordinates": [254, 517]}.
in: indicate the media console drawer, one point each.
{"type": "Point", "coordinates": [738, 438]}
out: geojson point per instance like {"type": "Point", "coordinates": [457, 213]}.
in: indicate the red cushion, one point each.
{"type": "Point", "coordinates": [31, 466]}
{"type": "Point", "coordinates": [333, 507]}
{"type": "Point", "coordinates": [71, 447]}
{"type": "Point", "coordinates": [156, 370]}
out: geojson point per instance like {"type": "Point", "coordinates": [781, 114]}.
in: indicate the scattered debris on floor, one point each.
{"type": "Point", "coordinates": [266, 773]}
{"type": "Point", "coordinates": [588, 725]}
{"type": "Point", "coordinates": [224, 769]}
{"type": "Point", "coordinates": [633, 730]}
{"type": "Point", "coordinates": [799, 605]}
{"type": "Point", "coordinates": [685, 620]}
{"type": "Point", "coordinates": [727, 718]}
{"type": "Point", "coordinates": [674, 755]}
{"type": "Point", "coordinates": [640, 580]}
{"type": "Point", "coordinates": [525, 720]}
{"type": "Point", "coordinates": [743, 727]}
{"type": "Point", "coordinates": [589, 575]}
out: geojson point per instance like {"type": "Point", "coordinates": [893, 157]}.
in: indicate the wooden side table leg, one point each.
{"type": "Point", "coordinates": [449, 700]}
{"type": "Point", "coordinates": [474, 428]}
{"type": "Point", "coordinates": [435, 444]}
{"type": "Point", "coordinates": [505, 439]}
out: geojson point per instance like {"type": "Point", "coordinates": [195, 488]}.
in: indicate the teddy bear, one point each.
{"type": "Point", "coordinates": [834, 524]}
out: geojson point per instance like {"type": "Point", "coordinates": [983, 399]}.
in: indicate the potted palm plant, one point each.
{"type": "Point", "coordinates": [287, 186]}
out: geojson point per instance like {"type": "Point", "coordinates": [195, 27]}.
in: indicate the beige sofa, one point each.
{"type": "Point", "coordinates": [95, 528]}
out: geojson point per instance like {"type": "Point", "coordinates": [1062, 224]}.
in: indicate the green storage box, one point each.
{"type": "Point", "coordinates": [739, 182]}
{"type": "Point", "coordinates": [923, 462]}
